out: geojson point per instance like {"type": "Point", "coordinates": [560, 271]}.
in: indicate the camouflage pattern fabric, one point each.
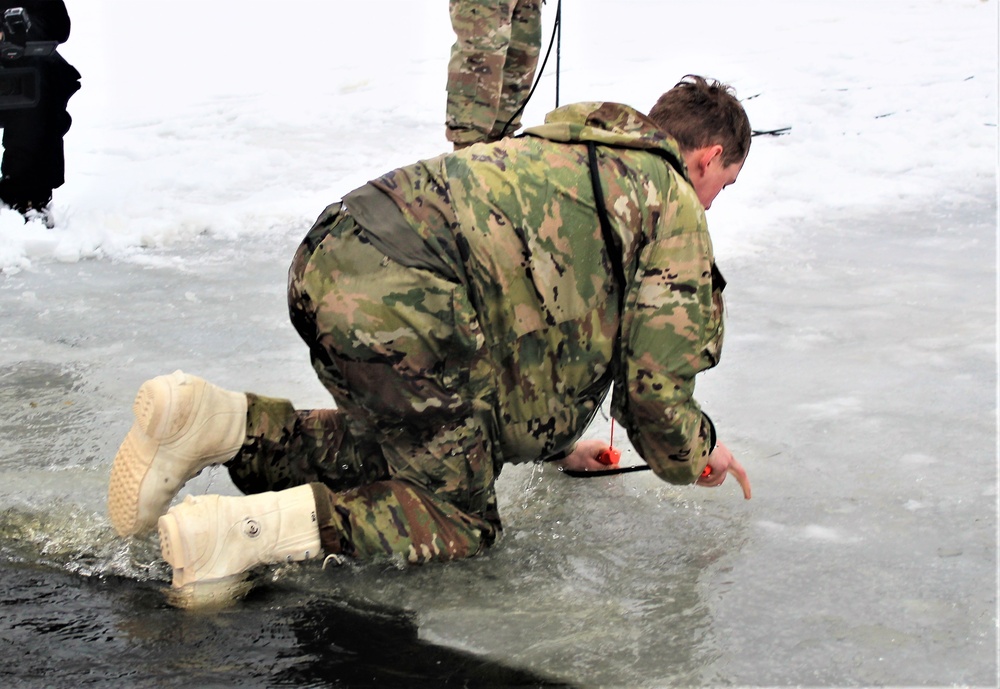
{"type": "Point", "coordinates": [518, 221]}
{"type": "Point", "coordinates": [492, 66]}
{"type": "Point", "coordinates": [395, 347]}
{"type": "Point", "coordinates": [503, 355]}
{"type": "Point", "coordinates": [362, 512]}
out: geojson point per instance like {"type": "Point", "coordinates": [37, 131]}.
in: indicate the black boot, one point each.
{"type": "Point", "coordinates": [32, 203]}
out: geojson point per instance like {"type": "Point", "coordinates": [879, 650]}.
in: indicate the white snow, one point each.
{"type": "Point", "coordinates": [233, 118]}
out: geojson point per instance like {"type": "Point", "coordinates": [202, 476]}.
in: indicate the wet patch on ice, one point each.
{"type": "Point", "coordinates": [831, 408]}
{"type": "Point", "coordinates": [917, 459]}
{"type": "Point", "coordinates": [808, 532]}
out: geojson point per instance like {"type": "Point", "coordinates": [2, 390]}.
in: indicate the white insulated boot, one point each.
{"type": "Point", "coordinates": [182, 425]}
{"type": "Point", "coordinates": [213, 541]}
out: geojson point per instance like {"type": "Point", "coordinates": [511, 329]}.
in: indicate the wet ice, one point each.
{"type": "Point", "coordinates": [857, 386]}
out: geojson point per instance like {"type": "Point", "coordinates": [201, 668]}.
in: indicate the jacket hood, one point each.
{"type": "Point", "coordinates": [610, 124]}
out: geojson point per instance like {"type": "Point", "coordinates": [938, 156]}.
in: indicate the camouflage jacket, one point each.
{"type": "Point", "coordinates": [516, 222]}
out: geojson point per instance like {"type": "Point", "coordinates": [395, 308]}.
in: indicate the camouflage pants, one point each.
{"type": "Point", "coordinates": [405, 464]}
{"type": "Point", "coordinates": [492, 66]}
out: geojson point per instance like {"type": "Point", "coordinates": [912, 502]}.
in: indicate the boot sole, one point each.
{"type": "Point", "coordinates": [152, 422]}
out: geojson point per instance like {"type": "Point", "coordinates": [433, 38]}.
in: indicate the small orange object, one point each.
{"type": "Point", "coordinates": [706, 472]}
{"type": "Point", "coordinates": [610, 456]}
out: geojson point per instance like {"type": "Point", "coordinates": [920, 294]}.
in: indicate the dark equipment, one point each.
{"type": "Point", "coordinates": [19, 83]}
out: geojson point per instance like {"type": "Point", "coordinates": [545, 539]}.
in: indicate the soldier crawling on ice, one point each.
{"type": "Point", "coordinates": [464, 312]}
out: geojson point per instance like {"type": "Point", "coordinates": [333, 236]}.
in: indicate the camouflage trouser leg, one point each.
{"type": "Point", "coordinates": [401, 353]}
{"type": "Point", "coordinates": [491, 67]}
{"type": "Point", "coordinates": [519, 69]}
{"type": "Point", "coordinates": [287, 448]}
{"type": "Point", "coordinates": [439, 504]}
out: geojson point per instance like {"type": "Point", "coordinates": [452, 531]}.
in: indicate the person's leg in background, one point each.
{"type": "Point", "coordinates": [476, 68]}
{"type": "Point", "coordinates": [519, 66]}
{"type": "Point", "coordinates": [33, 159]}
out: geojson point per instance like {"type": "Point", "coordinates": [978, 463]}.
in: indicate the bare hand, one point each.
{"type": "Point", "coordinates": [722, 463]}
{"type": "Point", "coordinates": [584, 456]}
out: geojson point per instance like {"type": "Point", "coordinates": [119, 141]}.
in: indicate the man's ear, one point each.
{"type": "Point", "coordinates": [708, 154]}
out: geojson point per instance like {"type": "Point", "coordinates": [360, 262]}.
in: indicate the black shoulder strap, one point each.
{"type": "Point", "coordinates": [615, 257]}
{"type": "Point", "coordinates": [610, 245]}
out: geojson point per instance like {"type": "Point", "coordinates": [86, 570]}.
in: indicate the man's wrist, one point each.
{"type": "Point", "coordinates": [713, 438]}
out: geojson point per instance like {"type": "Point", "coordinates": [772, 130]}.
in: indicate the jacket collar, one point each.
{"type": "Point", "coordinates": [610, 124]}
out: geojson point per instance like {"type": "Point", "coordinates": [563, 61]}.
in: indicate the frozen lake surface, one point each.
{"type": "Point", "coordinates": [858, 387]}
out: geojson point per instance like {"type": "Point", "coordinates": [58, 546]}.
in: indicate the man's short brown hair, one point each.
{"type": "Point", "coordinates": [699, 113]}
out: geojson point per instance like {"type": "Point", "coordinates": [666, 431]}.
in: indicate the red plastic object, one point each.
{"type": "Point", "coordinates": [610, 457]}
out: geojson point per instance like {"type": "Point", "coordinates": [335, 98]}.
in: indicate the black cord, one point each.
{"type": "Point", "coordinates": [770, 132]}
{"type": "Point", "coordinates": [556, 31]}
{"type": "Point", "coordinates": [604, 472]}
{"type": "Point", "coordinates": [558, 47]}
